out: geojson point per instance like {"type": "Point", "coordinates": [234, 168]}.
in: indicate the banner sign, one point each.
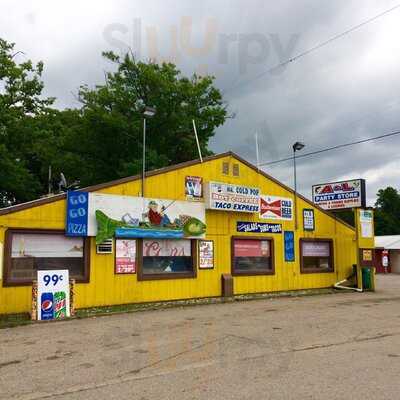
{"type": "Point", "coordinates": [206, 254]}
{"type": "Point", "coordinates": [227, 197]}
{"type": "Point", "coordinates": [194, 187]}
{"type": "Point", "coordinates": [340, 195]}
{"type": "Point", "coordinates": [289, 246]}
{"type": "Point", "coordinates": [77, 213]}
{"type": "Point", "coordinates": [258, 227]}
{"type": "Point", "coordinates": [273, 207]}
{"type": "Point", "coordinates": [133, 217]}
{"type": "Point", "coordinates": [308, 219]}
{"type": "Point", "coordinates": [125, 256]}
{"type": "Point", "coordinates": [251, 248]}
{"type": "Point", "coordinates": [53, 295]}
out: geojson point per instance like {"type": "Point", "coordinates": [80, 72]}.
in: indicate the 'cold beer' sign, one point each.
{"type": "Point", "coordinates": [340, 195]}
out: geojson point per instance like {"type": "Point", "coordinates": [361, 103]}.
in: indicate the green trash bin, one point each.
{"type": "Point", "coordinates": [366, 278]}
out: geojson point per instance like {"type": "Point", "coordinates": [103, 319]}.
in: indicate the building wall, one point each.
{"type": "Point", "coordinates": [106, 288]}
{"type": "Point", "coordinates": [394, 260]}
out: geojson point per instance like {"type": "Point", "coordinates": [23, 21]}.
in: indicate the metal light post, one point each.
{"type": "Point", "coordinates": [296, 147]}
{"type": "Point", "coordinates": [149, 112]}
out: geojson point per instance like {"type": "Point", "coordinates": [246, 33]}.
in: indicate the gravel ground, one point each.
{"type": "Point", "coordinates": [337, 346]}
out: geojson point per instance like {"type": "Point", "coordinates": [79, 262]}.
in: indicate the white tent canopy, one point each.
{"type": "Point", "coordinates": [391, 242]}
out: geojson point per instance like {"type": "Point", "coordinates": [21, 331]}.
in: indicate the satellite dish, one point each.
{"type": "Point", "coordinates": [63, 182]}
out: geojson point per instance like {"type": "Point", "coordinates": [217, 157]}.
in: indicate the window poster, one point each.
{"type": "Point", "coordinates": [125, 256]}
{"type": "Point", "coordinates": [206, 254]}
{"type": "Point", "coordinates": [194, 187]}
{"type": "Point", "coordinates": [251, 248]}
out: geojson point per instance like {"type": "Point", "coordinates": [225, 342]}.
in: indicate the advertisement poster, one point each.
{"type": "Point", "coordinates": [289, 246]}
{"type": "Point", "coordinates": [273, 207]}
{"type": "Point", "coordinates": [339, 195]}
{"type": "Point", "coordinates": [125, 256]}
{"type": "Point", "coordinates": [134, 217]}
{"type": "Point", "coordinates": [258, 227]}
{"type": "Point", "coordinates": [366, 222]}
{"type": "Point", "coordinates": [206, 254]}
{"type": "Point", "coordinates": [194, 188]}
{"type": "Point", "coordinates": [251, 248]}
{"type": "Point", "coordinates": [308, 219]}
{"type": "Point", "coordinates": [53, 295]}
{"type": "Point", "coordinates": [226, 197]}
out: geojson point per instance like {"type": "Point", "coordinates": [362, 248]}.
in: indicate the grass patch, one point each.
{"type": "Point", "coordinates": [12, 320]}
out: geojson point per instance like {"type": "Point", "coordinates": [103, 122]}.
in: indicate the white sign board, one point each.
{"type": "Point", "coordinates": [53, 294]}
{"type": "Point", "coordinates": [340, 195]}
{"type": "Point", "coordinates": [366, 222]}
{"type": "Point", "coordinates": [274, 207]}
{"type": "Point", "coordinates": [227, 197]}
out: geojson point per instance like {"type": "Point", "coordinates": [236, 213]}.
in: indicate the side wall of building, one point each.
{"type": "Point", "coordinates": [106, 288]}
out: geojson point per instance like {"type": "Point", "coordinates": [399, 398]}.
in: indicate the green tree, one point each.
{"type": "Point", "coordinates": [108, 142]}
{"type": "Point", "coordinates": [20, 103]}
{"type": "Point", "coordinates": [387, 212]}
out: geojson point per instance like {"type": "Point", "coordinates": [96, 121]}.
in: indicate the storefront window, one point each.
{"type": "Point", "coordinates": [252, 256]}
{"type": "Point", "coordinates": [30, 251]}
{"type": "Point", "coordinates": [316, 255]}
{"type": "Point", "coordinates": [167, 259]}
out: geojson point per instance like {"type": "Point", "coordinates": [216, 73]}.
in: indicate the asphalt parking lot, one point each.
{"type": "Point", "coordinates": [337, 346]}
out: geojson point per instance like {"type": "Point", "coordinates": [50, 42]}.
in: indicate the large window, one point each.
{"type": "Point", "coordinates": [316, 255]}
{"type": "Point", "coordinates": [28, 251]}
{"type": "Point", "coordinates": [252, 256]}
{"type": "Point", "coordinates": [166, 259]}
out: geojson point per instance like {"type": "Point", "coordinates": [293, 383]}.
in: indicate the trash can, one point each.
{"type": "Point", "coordinates": [367, 278]}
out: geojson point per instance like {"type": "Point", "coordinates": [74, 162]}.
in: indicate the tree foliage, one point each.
{"type": "Point", "coordinates": [102, 139]}
{"type": "Point", "coordinates": [387, 212]}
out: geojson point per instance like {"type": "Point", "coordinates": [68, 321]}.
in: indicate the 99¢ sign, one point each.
{"type": "Point", "coordinates": [53, 294]}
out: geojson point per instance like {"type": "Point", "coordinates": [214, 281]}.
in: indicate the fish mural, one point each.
{"type": "Point", "coordinates": [155, 225]}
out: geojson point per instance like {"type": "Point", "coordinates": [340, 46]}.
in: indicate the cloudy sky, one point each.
{"type": "Point", "coordinates": [344, 91]}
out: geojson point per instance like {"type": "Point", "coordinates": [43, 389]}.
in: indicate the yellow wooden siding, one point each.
{"type": "Point", "coordinates": [106, 288]}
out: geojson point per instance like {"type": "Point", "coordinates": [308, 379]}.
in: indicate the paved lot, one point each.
{"type": "Point", "coordinates": [338, 346]}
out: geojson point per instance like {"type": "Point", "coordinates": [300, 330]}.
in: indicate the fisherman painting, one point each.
{"type": "Point", "coordinates": [156, 217]}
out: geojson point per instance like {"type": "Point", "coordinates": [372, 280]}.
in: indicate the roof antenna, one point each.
{"type": "Point", "coordinates": [197, 140]}
{"type": "Point", "coordinates": [257, 153]}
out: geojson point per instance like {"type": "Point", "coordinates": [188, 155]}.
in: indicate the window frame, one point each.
{"type": "Point", "coordinates": [9, 282]}
{"type": "Point", "coordinates": [331, 257]}
{"type": "Point", "coordinates": [253, 273]}
{"type": "Point", "coordinates": [178, 275]}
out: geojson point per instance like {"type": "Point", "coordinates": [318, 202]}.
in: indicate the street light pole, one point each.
{"type": "Point", "coordinates": [149, 112]}
{"type": "Point", "coordinates": [144, 155]}
{"type": "Point", "coordinates": [296, 147]}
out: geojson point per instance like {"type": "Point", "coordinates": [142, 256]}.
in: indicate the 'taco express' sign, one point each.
{"type": "Point", "coordinates": [340, 195]}
{"type": "Point", "coordinates": [227, 197]}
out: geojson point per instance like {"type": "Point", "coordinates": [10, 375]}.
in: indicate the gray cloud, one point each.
{"type": "Point", "coordinates": [341, 92]}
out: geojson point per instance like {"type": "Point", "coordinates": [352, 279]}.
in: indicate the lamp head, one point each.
{"type": "Point", "coordinates": [149, 112]}
{"type": "Point", "coordinates": [298, 146]}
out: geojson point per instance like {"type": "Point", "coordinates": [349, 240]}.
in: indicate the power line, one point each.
{"type": "Point", "coordinates": [312, 49]}
{"type": "Point", "coordinates": [339, 146]}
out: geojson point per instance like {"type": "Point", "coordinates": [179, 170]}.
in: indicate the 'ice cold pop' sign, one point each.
{"type": "Point", "coordinates": [53, 294]}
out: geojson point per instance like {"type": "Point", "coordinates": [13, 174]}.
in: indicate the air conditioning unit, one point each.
{"type": "Point", "coordinates": [105, 247]}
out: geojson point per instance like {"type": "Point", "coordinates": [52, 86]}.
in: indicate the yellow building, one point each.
{"type": "Point", "coordinates": [256, 246]}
